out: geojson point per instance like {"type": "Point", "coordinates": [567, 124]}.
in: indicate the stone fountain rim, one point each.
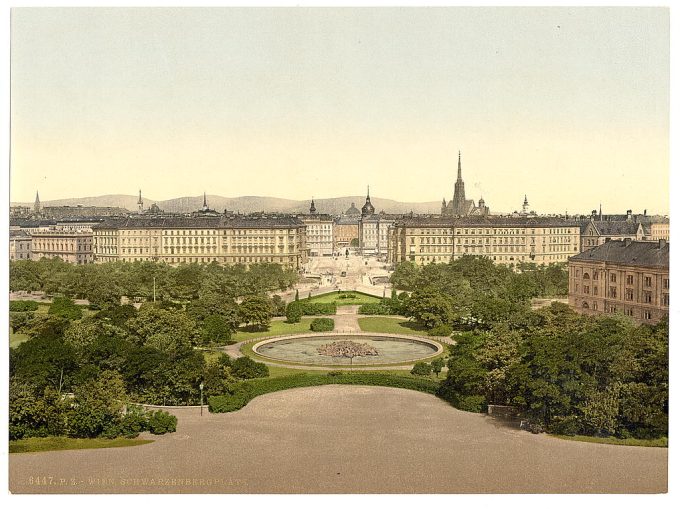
{"type": "Point", "coordinates": [418, 339]}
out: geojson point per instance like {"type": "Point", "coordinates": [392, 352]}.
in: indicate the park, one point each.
{"type": "Point", "coordinates": [378, 390]}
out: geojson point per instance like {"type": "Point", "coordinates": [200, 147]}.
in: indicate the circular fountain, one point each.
{"type": "Point", "coordinates": [316, 349]}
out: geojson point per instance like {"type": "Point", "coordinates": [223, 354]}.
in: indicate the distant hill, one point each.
{"type": "Point", "coordinates": [249, 204]}
{"type": "Point", "coordinates": [109, 200]}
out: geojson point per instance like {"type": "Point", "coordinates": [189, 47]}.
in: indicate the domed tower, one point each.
{"type": "Point", "coordinates": [368, 209]}
{"type": "Point", "coordinates": [525, 206]}
{"type": "Point", "coordinates": [312, 207]}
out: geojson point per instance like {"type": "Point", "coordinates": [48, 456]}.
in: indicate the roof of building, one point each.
{"type": "Point", "coordinates": [352, 221]}
{"type": "Point", "coordinates": [625, 252]}
{"type": "Point", "coordinates": [483, 221]}
{"type": "Point", "coordinates": [310, 218]}
{"type": "Point", "coordinates": [164, 222]}
{"type": "Point", "coordinates": [617, 228]}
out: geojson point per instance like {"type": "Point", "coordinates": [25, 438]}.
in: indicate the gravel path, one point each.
{"type": "Point", "coordinates": [345, 439]}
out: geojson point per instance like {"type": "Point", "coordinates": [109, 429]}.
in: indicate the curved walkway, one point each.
{"type": "Point", "coordinates": [345, 439]}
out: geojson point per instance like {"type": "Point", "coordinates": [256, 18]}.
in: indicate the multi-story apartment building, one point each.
{"type": "Point", "coordinates": [505, 240]}
{"type": "Point", "coordinates": [374, 233]}
{"type": "Point", "coordinates": [225, 240]}
{"type": "Point", "coordinates": [659, 229]}
{"type": "Point", "coordinates": [71, 246]}
{"type": "Point", "coordinates": [19, 245]}
{"type": "Point", "coordinates": [346, 232]}
{"type": "Point", "coordinates": [622, 276]}
{"type": "Point", "coordinates": [319, 232]}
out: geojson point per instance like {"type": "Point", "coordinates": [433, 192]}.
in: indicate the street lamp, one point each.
{"type": "Point", "coordinates": [201, 387]}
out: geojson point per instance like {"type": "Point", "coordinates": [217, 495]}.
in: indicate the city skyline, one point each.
{"type": "Point", "coordinates": [566, 105]}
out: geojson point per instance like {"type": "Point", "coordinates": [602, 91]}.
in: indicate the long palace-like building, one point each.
{"type": "Point", "coordinates": [505, 240]}
{"type": "Point", "coordinates": [221, 239]}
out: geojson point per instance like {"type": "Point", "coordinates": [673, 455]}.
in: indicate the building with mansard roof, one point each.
{"type": "Point", "coordinates": [622, 276]}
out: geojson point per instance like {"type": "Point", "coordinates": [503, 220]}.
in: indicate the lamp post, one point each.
{"type": "Point", "coordinates": [201, 387]}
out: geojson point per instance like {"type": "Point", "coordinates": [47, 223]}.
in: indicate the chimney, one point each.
{"type": "Point", "coordinates": [627, 242]}
{"type": "Point", "coordinates": [629, 215]}
{"type": "Point", "coordinates": [662, 243]}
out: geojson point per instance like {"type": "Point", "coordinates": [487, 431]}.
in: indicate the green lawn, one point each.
{"type": "Point", "coordinates": [16, 339]}
{"type": "Point", "coordinates": [276, 328]}
{"type": "Point", "coordinates": [656, 442]}
{"type": "Point", "coordinates": [62, 443]}
{"type": "Point", "coordinates": [391, 325]}
{"type": "Point", "coordinates": [358, 300]}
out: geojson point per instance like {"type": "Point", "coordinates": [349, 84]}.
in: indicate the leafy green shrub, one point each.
{"type": "Point", "coordinates": [376, 309]}
{"type": "Point", "coordinates": [245, 367]}
{"type": "Point", "coordinates": [161, 422]}
{"type": "Point", "coordinates": [133, 422]}
{"type": "Point", "coordinates": [570, 425]}
{"type": "Point", "coordinates": [294, 312]}
{"type": "Point", "coordinates": [421, 369]}
{"type": "Point", "coordinates": [22, 305]}
{"type": "Point", "coordinates": [64, 307]}
{"type": "Point", "coordinates": [243, 392]}
{"type": "Point", "coordinates": [306, 308]}
{"type": "Point", "coordinates": [472, 404]}
{"type": "Point", "coordinates": [443, 329]}
{"type": "Point", "coordinates": [322, 325]}
{"type": "Point", "coordinates": [347, 296]}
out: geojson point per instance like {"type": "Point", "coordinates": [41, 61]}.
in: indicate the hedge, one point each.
{"type": "Point", "coordinates": [322, 325]}
{"type": "Point", "coordinates": [377, 309]}
{"type": "Point", "coordinates": [23, 305]}
{"type": "Point", "coordinates": [242, 392]}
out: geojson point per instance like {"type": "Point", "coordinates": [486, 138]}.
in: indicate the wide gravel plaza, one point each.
{"type": "Point", "coordinates": [345, 439]}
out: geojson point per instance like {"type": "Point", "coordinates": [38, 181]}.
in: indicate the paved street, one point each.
{"type": "Point", "coordinates": [342, 439]}
{"type": "Point", "coordinates": [327, 270]}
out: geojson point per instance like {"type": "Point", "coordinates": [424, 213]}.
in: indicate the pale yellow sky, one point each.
{"type": "Point", "coordinates": [569, 106]}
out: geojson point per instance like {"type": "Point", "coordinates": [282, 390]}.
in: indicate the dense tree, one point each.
{"type": "Point", "coordinates": [256, 310]}
{"type": "Point", "coordinates": [430, 308]}
{"type": "Point", "coordinates": [64, 307]}
{"type": "Point", "coordinates": [245, 367]}
{"type": "Point", "coordinates": [215, 330]}
{"type": "Point", "coordinates": [172, 332]}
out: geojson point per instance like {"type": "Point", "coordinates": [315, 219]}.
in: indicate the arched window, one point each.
{"type": "Point", "coordinates": [585, 305]}
{"type": "Point", "coordinates": [586, 275]}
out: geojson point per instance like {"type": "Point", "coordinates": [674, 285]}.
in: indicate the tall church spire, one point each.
{"type": "Point", "coordinates": [460, 171]}
{"type": "Point", "coordinates": [459, 204]}
{"type": "Point", "coordinates": [36, 205]}
{"type": "Point", "coordinates": [140, 203]}
{"type": "Point", "coordinates": [205, 201]}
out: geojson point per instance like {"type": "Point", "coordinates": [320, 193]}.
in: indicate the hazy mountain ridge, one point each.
{"type": "Point", "coordinates": [248, 204]}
